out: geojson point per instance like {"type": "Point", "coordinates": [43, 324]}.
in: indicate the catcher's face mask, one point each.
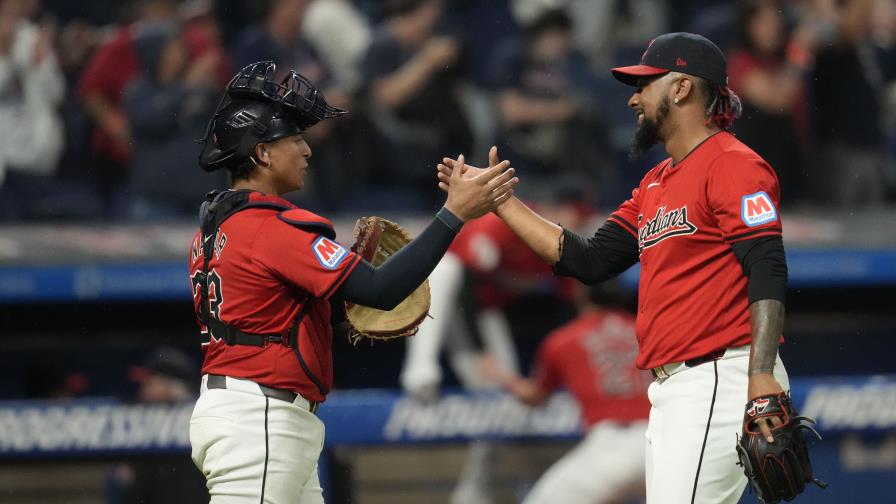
{"type": "Point", "coordinates": [256, 108]}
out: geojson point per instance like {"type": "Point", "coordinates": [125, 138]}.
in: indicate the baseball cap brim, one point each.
{"type": "Point", "coordinates": [629, 74]}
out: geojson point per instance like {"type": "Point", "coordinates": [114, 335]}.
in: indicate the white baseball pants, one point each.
{"type": "Point", "coordinates": [695, 418]}
{"type": "Point", "coordinates": [606, 466]}
{"type": "Point", "coordinates": [255, 449]}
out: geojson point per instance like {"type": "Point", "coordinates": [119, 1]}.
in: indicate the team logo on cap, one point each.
{"type": "Point", "coordinates": [664, 225]}
{"type": "Point", "coordinates": [328, 252]}
{"type": "Point", "coordinates": [757, 208]}
{"type": "Point", "coordinates": [644, 55]}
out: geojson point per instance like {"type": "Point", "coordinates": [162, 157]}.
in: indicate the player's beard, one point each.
{"type": "Point", "coordinates": [648, 133]}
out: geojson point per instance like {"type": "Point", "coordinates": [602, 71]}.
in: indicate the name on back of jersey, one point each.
{"type": "Point", "coordinates": [757, 209]}
{"type": "Point", "coordinates": [328, 252]}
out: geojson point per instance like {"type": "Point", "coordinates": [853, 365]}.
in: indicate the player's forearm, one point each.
{"type": "Point", "coordinates": [525, 390]}
{"type": "Point", "coordinates": [386, 286]}
{"type": "Point", "coordinates": [104, 114]}
{"type": "Point", "coordinates": [540, 234]}
{"type": "Point", "coordinates": [608, 253]}
{"type": "Point", "coordinates": [519, 110]}
{"type": "Point", "coordinates": [394, 90]}
{"type": "Point", "coordinates": [767, 321]}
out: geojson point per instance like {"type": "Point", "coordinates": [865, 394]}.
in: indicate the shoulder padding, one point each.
{"type": "Point", "coordinates": [307, 221]}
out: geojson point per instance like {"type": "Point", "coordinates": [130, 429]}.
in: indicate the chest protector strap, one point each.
{"type": "Point", "coordinates": [217, 208]}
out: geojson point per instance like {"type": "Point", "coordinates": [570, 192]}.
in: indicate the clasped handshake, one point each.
{"type": "Point", "coordinates": [474, 192]}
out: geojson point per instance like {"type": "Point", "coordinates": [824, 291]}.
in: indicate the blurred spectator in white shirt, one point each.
{"type": "Point", "coordinates": [31, 89]}
{"type": "Point", "coordinates": [341, 35]}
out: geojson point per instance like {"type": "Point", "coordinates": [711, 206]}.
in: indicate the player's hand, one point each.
{"type": "Point", "coordinates": [116, 125]}
{"type": "Point", "coordinates": [759, 385]}
{"type": "Point", "coordinates": [446, 168]}
{"type": "Point", "coordinates": [201, 72]}
{"type": "Point", "coordinates": [440, 52]}
{"type": "Point", "coordinates": [474, 195]}
{"type": "Point", "coordinates": [489, 369]}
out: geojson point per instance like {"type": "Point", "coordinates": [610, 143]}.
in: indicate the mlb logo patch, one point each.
{"type": "Point", "coordinates": [328, 252]}
{"type": "Point", "coordinates": [757, 209]}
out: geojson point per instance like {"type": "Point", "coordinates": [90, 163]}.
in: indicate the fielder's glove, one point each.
{"type": "Point", "coordinates": [377, 239]}
{"type": "Point", "coordinates": [778, 470]}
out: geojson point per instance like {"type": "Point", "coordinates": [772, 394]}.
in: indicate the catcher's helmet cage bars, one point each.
{"type": "Point", "coordinates": [264, 110]}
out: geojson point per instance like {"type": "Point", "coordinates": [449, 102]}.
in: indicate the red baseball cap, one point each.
{"type": "Point", "coordinates": [687, 53]}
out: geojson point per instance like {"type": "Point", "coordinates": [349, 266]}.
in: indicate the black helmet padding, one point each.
{"type": "Point", "coordinates": [256, 108]}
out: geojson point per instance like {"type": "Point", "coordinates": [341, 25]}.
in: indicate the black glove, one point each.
{"type": "Point", "coordinates": [778, 470]}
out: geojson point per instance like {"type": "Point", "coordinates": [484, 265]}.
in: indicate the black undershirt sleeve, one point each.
{"type": "Point", "coordinates": [765, 266]}
{"type": "Point", "coordinates": [384, 287]}
{"type": "Point", "coordinates": [608, 253]}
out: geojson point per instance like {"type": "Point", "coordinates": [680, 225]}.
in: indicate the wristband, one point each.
{"type": "Point", "coordinates": [449, 219]}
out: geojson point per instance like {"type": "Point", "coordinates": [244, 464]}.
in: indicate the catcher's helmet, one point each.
{"type": "Point", "coordinates": [255, 108]}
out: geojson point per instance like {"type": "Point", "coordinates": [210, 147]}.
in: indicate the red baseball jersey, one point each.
{"type": "Point", "coordinates": [692, 297]}
{"type": "Point", "coordinates": [503, 264]}
{"type": "Point", "coordinates": [266, 266]}
{"type": "Point", "coordinates": [594, 358]}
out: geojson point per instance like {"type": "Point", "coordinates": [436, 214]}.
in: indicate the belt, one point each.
{"type": "Point", "coordinates": [228, 382]}
{"type": "Point", "coordinates": [667, 370]}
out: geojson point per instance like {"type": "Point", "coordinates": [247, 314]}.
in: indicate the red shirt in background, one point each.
{"type": "Point", "coordinates": [113, 66]}
{"type": "Point", "coordinates": [594, 358]}
{"type": "Point", "coordinates": [742, 63]}
{"type": "Point", "coordinates": [504, 266]}
{"type": "Point", "coordinates": [201, 37]}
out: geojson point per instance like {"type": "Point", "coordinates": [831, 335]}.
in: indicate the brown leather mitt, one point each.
{"type": "Point", "coordinates": [376, 240]}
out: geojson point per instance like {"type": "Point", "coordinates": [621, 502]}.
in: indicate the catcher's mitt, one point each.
{"type": "Point", "coordinates": [778, 470]}
{"type": "Point", "coordinates": [377, 239]}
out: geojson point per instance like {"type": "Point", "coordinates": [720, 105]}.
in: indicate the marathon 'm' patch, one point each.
{"type": "Point", "coordinates": [757, 209]}
{"type": "Point", "coordinates": [328, 252]}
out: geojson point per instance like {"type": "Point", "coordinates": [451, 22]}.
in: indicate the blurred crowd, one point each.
{"type": "Point", "coordinates": [101, 102]}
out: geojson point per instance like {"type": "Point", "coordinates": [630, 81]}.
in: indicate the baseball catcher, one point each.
{"type": "Point", "coordinates": [264, 273]}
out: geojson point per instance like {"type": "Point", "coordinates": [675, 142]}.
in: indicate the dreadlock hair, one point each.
{"type": "Point", "coordinates": [722, 104]}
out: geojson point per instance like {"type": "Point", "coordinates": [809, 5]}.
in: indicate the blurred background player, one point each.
{"type": "Point", "coordinates": [593, 357]}
{"type": "Point", "coordinates": [486, 271]}
{"type": "Point", "coordinates": [491, 295]}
